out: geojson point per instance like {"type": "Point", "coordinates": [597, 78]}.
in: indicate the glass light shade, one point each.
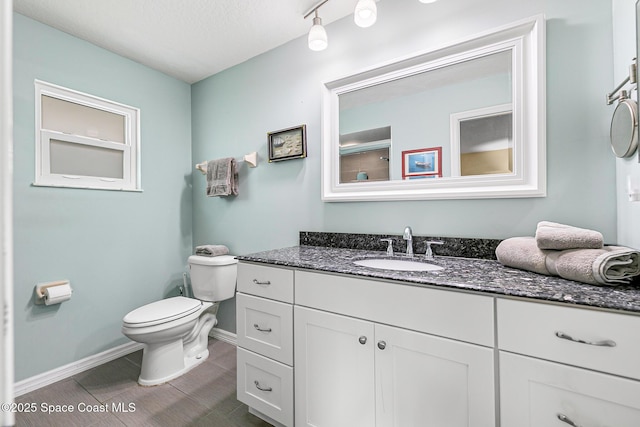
{"type": "Point", "coordinates": [317, 37]}
{"type": "Point", "coordinates": [366, 13]}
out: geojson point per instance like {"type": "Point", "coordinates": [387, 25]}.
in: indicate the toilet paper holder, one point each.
{"type": "Point", "coordinates": [41, 287]}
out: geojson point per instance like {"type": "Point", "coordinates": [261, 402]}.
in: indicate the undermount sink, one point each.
{"type": "Point", "coordinates": [397, 264]}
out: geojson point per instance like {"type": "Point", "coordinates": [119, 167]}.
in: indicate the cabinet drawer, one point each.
{"type": "Point", "coordinates": [266, 327]}
{"type": "Point", "coordinates": [268, 282]}
{"type": "Point", "coordinates": [266, 385]}
{"type": "Point", "coordinates": [456, 315]}
{"type": "Point", "coordinates": [537, 393]}
{"type": "Point", "coordinates": [606, 342]}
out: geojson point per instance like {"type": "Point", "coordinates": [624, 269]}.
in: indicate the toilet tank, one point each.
{"type": "Point", "coordinates": [213, 278]}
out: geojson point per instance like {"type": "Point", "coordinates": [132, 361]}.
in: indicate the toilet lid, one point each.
{"type": "Point", "coordinates": [162, 311]}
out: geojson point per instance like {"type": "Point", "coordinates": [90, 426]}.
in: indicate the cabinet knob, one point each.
{"type": "Point", "coordinates": [382, 345]}
{"type": "Point", "coordinates": [362, 340]}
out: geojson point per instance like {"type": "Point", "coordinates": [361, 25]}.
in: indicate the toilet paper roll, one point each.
{"type": "Point", "coordinates": [57, 294]}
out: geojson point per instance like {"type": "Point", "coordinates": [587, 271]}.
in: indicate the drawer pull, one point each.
{"type": "Point", "coordinates": [603, 343]}
{"type": "Point", "coordinates": [567, 420]}
{"type": "Point", "coordinates": [264, 282]}
{"type": "Point", "coordinates": [262, 388]}
{"type": "Point", "coordinates": [255, 325]}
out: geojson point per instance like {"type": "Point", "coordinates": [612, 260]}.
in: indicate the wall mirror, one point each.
{"type": "Point", "coordinates": [463, 121]}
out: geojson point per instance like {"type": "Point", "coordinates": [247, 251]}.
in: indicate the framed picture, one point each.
{"type": "Point", "coordinates": [422, 163]}
{"type": "Point", "coordinates": [287, 144]}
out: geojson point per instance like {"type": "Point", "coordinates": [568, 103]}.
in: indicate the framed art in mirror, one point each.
{"type": "Point", "coordinates": [422, 163]}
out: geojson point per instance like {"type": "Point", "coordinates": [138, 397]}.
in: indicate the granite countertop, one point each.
{"type": "Point", "coordinates": [479, 275]}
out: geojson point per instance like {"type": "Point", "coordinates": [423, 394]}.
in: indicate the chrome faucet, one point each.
{"type": "Point", "coordinates": [389, 246]}
{"type": "Point", "coordinates": [429, 252]}
{"type": "Point", "coordinates": [408, 236]}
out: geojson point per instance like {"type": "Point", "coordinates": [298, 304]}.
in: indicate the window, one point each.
{"type": "Point", "coordinates": [85, 142]}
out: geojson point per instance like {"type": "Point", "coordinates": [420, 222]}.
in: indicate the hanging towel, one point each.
{"type": "Point", "coordinates": [211, 250]}
{"type": "Point", "coordinates": [551, 235]}
{"type": "Point", "coordinates": [222, 177]}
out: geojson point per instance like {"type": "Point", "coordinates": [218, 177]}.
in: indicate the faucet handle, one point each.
{"type": "Point", "coordinates": [429, 252]}
{"type": "Point", "coordinates": [389, 246]}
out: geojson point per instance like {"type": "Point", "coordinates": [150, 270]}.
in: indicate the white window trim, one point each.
{"type": "Point", "coordinates": [130, 147]}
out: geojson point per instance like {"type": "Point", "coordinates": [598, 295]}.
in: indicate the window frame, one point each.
{"type": "Point", "coordinates": [130, 147]}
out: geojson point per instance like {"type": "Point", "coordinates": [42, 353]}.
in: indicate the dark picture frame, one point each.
{"type": "Point", "coordinates": [287, 144]}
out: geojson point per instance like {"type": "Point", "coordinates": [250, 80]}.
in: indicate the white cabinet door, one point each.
{"type": "Point", "coordinates": [334, 379]}
{"type": "Point", "coordinates": [537, 393]}
{"type": "Point", "coordinates": [423, 380]}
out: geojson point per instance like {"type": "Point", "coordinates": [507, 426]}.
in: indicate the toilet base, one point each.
{"type": "Point", "coordinates": [163, 362]}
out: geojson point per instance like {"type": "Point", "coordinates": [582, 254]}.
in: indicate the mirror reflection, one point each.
{"type": "Point", "coordinates": [455, 120]}
{"type": "Point", "coordinates": [463, 121]}
{"type": "Point", "coordinates": [364, 156]}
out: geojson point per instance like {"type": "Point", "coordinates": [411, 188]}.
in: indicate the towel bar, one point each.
{"type": "Point", "coordinates": [251, 159]}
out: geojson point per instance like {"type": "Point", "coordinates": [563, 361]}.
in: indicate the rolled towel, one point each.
{"type": "Point", "coordinates": [222, 177]}
{"type": "Point", "coordinates": [211, 250]}
{"type": "Point", "coordinates": [522, 253]}
{"type": "Point", "coordinates": [551, 235]}
{"type": "Point", "coordinates": [611, 265]}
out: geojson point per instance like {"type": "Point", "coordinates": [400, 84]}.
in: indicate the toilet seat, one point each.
{"type": "Point", "coordinates": [162, 311]}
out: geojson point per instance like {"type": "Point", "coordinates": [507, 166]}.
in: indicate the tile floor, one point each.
{"type": "Point", "coordinates": [205, 396]}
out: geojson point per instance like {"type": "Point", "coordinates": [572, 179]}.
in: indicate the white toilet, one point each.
{"type": "Point", "coordinates": [175, 330]}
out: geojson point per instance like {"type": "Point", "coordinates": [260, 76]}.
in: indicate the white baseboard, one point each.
{"type": "Point", "coordinates": [222, 335]}
{"type": "Point", "coordinates": [66, 371]}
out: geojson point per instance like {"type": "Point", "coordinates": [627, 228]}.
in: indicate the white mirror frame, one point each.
{"type": "Point", "coordinates": [526, 40]}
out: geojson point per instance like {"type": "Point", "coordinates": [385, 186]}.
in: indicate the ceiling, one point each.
{"type": "Point", "coordinates": [187, 39]}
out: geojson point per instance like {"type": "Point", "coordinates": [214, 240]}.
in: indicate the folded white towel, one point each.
{"type": "Point", "coordinates": [222, 177]}
{"type": "Point", "coordinates": [551, 235]}
{"type": "Point", "coordinates": [522, 253]}
{"type": "Point", "coordinates": [211, 250]}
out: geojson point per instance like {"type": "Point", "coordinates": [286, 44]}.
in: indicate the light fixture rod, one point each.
{"type": "Point", "coordinates": [314, 8]}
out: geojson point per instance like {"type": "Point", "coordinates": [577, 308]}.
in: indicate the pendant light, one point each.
{"type": "Point", "coordinates": [366, 13]}
{"type": "Point", "coordinates": [317, 35]}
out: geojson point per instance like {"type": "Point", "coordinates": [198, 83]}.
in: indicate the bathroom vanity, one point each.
{"type": "Point", "coordinates": [325, 342]}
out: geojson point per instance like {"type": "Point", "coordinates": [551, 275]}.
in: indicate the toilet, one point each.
{"type": "Point", "coordinates": [175, 330]}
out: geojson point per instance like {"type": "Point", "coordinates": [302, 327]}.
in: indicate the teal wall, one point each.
{"type": "Point", "coordinates": [233, 111]}
{"type": "Point", "coordinates": [119, 249]}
